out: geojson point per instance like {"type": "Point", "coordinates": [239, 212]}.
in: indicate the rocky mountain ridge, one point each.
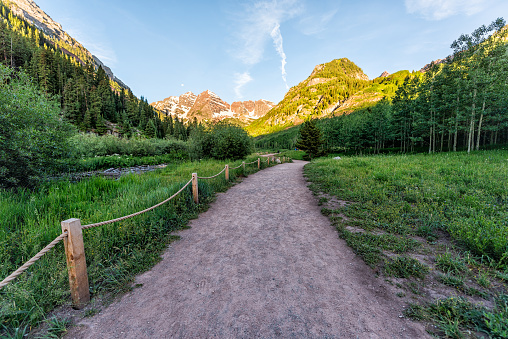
{"type": "Point", "coordinates": [31, 12]}
{"type": "Point", "coordinates": [209, 106]}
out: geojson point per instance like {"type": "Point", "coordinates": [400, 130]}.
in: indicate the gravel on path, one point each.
{"type": "Point", "coordinates": [262, 262]}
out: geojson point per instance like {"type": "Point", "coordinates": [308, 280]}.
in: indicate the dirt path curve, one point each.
{"type": "Point", "coordinates": [262, 262]}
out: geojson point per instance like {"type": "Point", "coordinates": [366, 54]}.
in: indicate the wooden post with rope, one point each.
{"type": "Point", "coordinates": [227, 172]}
{"type": "Point", "coordinates": [76, 263]}
{"type": "Point", "coordinates": [243, 166]}
{"type": "Point", "coordinates": [268, 160]}
{"type": "Point", "coordinates": [195, 187]}
{"type": "Point", "coordinates": [259, 163]}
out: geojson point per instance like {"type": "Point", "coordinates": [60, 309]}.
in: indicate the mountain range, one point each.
{"type": "Point", "coordinates": [209, 106]}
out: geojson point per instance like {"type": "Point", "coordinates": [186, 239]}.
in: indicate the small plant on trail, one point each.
{"type": "Point", "coordinates": [447, 263]}
{"type": "Point", "coordinates": [406, 267]}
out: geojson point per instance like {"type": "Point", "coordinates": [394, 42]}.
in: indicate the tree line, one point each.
{"type": "Point", "coordinates": [460, 103]}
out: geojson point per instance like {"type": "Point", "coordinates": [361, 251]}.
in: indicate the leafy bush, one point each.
{"type": "Point", "coordinates": [32, 134]}
{"type": "Point", "coordinates": [221, 141]}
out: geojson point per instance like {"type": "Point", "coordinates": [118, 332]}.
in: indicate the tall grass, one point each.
{"type": "Point", "coordinates": [466, 195]}
{"type": "Point", "coordinates": [29, 220]}
{"type": "Point", "coordinates": [91, 145]}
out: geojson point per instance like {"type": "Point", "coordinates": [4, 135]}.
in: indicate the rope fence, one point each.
{"type": "Point", "coordinates": [32, 261]}
{"type": "Point", "coordinates": [137, 213]}
{"type": "Point", "coordinates": [233, 168]}
{"type": "Point", "coordinates": [216, 175]}
{"type": "Point", "coordinates": [74, 246]}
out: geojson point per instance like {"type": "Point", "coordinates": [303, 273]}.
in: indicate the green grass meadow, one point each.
{"type": "Point", "coordinates": [29, 220]}
{"type": "Point", "coordinates": [448, 210]}
{"type": "Point", "coordinates": [466, 195]}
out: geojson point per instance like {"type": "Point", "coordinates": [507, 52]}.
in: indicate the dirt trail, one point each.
{"type": "Point", "coordinates": [261, 262]}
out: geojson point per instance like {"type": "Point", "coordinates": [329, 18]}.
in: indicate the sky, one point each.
{"type": "Point", "coordinates": [257, 49]}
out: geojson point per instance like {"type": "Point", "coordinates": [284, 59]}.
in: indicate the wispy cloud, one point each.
{"type": "Point", "coordinates": [277, 42]}
{"type": "Point", "coordinates": [315, 24]}
{"type": "Point", "coordinates": [441, 9]}
{"type": "Point", "coordinates": [261, 21]}
{"type": "Point", "coordinates": [241, 79]}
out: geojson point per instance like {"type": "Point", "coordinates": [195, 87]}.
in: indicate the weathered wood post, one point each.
{"type": "Point", "coordinates": [259, 163]}
{"type": "Point", "coordinates": [227, 172]}
{"type": "Point", "coordinates": [195, 187]}
{"type": "Point", "coordinates": [243, 165]}
{"type": "Point", "coordinates": [268, 160]}
{"type": "Point", "coordinates": [76, 263]}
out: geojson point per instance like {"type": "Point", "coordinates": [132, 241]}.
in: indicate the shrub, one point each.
{"type": "Point", "coordinates": [32, 135]}
{"type": "Point", "coordinates": [221, 141]}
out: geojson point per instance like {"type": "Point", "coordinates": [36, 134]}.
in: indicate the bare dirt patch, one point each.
{"type": "Point", "coordinates": [261, 262]}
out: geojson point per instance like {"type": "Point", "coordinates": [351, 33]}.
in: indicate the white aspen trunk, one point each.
{"type": "Point", "coordinates": [471, 126]}
{"type": "Point", "coordinates": [456, 126]}
{"type": "Point", "coordinates": [480, 127]}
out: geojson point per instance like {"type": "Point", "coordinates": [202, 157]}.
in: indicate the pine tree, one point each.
{"type": "Point", "coordinates": [150, 130]}
{"type": "Point", "coordinates": [310, 139]}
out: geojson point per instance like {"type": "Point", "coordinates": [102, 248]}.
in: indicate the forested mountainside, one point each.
{"type": "Point", "coordinates": [458, 103]}
{"type": "Point", "coordinates": [54, 33]}
{"type": "Point", "coordinates": [89, 98]}
{"type": "Point", "coordinates": [333, 88]}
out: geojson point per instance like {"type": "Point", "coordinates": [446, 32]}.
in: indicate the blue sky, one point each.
{"type": "Point", "coordinates": [250, 50]}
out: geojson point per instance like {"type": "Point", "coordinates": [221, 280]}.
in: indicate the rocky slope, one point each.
{"type": "Point", "coordinates": [209, 106]}
{"type": "Point", "coordinates": [31, 12]}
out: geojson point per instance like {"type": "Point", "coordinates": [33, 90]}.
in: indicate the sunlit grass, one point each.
{"type": "Point", "coordinates": [466, 195]}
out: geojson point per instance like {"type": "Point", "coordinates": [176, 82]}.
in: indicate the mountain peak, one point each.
{"type": "Point", "coordinates": [384, 74]}
{"type": "Point", "coordinates": [209, 106]}
{"type": "Point", "coordinates": [338, 68]}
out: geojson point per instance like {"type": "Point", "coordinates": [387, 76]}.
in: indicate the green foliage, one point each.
{"type": "Point", "coordinates": [457, 316]}
{"type": "Point", "coordinates": [336, 81]}
{"type": "Point", "coordinates": [221, 141]}
{"type": "Point", "coordinates": [115, 253]}
{"type": "Point", "coordinates": [449, 264]}
{"type": "Point", "coordinates": [121, 161]}
{"type": "Point", "coordinates": [32, 135]}
{"type": "Point", "coordinates": [460, 103]}
{"type": "Point", "coordinates": [405, 194]}
{"type": "Point", "coordinates": [90, 145]}
{"type": "Point", "coordinates": [405, 267]}
{"type": "Point", "coordinates": [293, 154]}
{"type": "Point", "coordinates": [279, 140]}
{"type": "Point", "coordinates": [89, 98]}
{"type": "Point", "coordinates": [310, 139]}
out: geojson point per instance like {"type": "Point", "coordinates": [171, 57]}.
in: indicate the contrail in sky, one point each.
{"type": "Point", "coordinates": [277, 42]}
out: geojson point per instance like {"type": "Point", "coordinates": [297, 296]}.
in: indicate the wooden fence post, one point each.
{"type": "Point", "coordinates": [76, 263]}
{"type": "Point", "coordinates": [195, 187]}
{"type": "Point", "coordinates": [268, 160]}
{"type": "Point", "coordinates": [259, 163]}
{"type": "Point", "coordinates": [227, 172]}
{"type": "Point", "coordinates": [243, 165]}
